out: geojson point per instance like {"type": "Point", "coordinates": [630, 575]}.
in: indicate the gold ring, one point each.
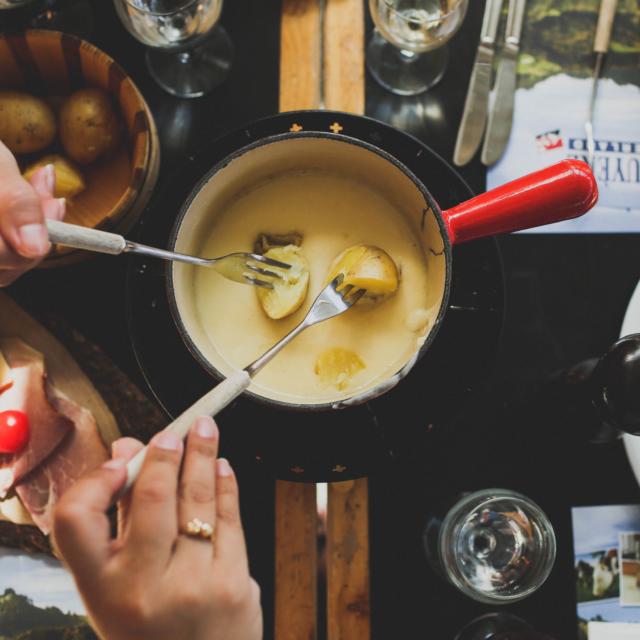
{"type": "Point", "coordinates": [199, 529]}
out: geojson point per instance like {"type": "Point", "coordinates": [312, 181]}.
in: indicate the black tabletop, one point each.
{"type": "Point", "coordinates": [565, 299]}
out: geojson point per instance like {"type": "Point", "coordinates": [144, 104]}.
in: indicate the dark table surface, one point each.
{"type": "Point", "coordinates": [565, 300]}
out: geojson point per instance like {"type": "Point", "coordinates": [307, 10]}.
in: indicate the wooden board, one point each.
{"type": "Point", "coordinates": [296, 518]}
{"type": "Point", "coordinates": [63, 371]}
{"type": "Point", "coordinates": [348, 597]}
{"type": "Point", "coordinates": [300, 54]}
{"type": "Point", "coordinates": [348, 579]}
{"type": "Point", "coordinates": [296, 561]}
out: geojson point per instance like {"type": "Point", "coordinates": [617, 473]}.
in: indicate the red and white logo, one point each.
{"type": "Point", "coordinates": [549, 140]}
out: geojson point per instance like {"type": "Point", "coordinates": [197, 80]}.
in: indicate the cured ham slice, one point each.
{"type": "Point", "coordinates": [28, 393]}
{"type": "Point", "coordinates": [81, 451]}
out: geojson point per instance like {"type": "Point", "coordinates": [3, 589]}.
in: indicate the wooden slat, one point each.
{"type": "Point", "coordinates": [348, 591]}
{"type": "Point", "coordinates": [296, 561]}
{"type": "Point", "coordinates": [344, 55]}
{"type": "Point", "coordinates": [296, 518]}
{"type": "Point", "coordinates": [348, 579]}
{"type": "Point", "coordinates": [300, 54]}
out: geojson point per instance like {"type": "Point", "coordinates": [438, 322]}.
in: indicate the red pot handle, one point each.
{"type": "Point", "coordinates": [562, 191]}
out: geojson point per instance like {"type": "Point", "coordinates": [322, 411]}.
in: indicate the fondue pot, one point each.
{"type": "Point", "coordinates": [562, 191]}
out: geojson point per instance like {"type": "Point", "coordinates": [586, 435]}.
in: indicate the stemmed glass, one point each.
{"type": "Point", "coordinates": [495, 545]}
{"type": "Point", "coordinates": [406, 54]}
{"type": "Point", "coordinates": [190, 54]}
{"type": "Point", "coordinates": [499, 626]}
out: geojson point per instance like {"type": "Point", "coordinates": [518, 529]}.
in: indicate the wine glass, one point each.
{"type": "Point", "coordinates": [407, 53]}
{"type": "Point", "coordinates": [190, 54]}
{"type": "Point", "coordinates": [494, 545]}
{"type": "Point", "coordinates": [499, 626]}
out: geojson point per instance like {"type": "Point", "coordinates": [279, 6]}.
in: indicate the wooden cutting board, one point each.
{"type": "Point", "coordinates": [63, 371]}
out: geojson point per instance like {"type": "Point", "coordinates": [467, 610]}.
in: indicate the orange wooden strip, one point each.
{"type": "Point", "coordinates": [348, 591]}
{"type": "Point", "coordinates": [300, 54]}
{"type": "Point", "coordinates": [296, 561]}
{"type": "Point", "coordinates": [344, 55]}
{"type": "Point", "coordinates": [348, 579]}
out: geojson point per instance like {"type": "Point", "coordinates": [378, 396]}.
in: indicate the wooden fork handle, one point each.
{"type": "Point", "coordinates": [606, 17]}
{"type": "Point", "coordinates": [209, 405]}
{"type": "Point", "coordinates": [72, 235]}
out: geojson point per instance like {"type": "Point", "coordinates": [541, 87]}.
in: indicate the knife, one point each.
{"type": "Point", "coordinates": [474, 115]}
{"type": "Point", "coordinates": [600, 47]}
{"type": "Point", "coordinates": [501, 115]}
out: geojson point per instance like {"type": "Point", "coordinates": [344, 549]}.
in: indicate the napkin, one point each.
{"type": "Point", "coordinates": [551, 106]}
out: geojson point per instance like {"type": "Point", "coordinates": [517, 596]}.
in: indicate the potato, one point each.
{"type": "Point", "coordinates": [89, 127]}
{"type": "Point", "coordinates": [290, 291]}
{"type": "Point", "coordinates": [27, 124]}
{"type": "Point", "coordinates": [69, 180]}
{"type": "Point", "coordinates": [369, 268]}
{"type": "Point", "coordinates": [336, 366]}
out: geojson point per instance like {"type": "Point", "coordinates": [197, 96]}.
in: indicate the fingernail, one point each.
{"type": "Point", "coordinates": [50, 177]}
{"type": "Point", "coordinates": [206, 428]}
{"type": "Point", "coordinates": [34, 239]}
{"type": "Point", "coordinates": [166, 440]}
{"type": "Point", "coordinates": [114, 463]}
{"type": "Point", "coordinates": [62, 207]}
{"type": "Point", "coordinates": [223, 467]}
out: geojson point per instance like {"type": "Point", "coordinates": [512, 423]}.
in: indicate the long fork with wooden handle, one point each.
{"type": "Point", "coordinates": [246, 268]}
{"type": "Point", "coordinates": [332, 301]}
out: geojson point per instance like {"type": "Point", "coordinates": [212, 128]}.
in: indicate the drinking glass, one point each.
{"type": "Point", "coordinates": [190, 54]}
{"type": "Point", "coordinates": [407, 53]}
{"type": "Point", "coordinates": [495, 545]}
{"type": "Point", "coordinates": [499, 626]}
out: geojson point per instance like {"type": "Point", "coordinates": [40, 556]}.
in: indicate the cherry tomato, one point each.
{"type": "Point", "coordinates": [14, 431]}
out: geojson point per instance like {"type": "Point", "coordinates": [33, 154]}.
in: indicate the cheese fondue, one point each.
{"type": "Point", "coordinates": [332, 212]}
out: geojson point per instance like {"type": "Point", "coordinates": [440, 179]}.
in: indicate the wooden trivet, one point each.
{"type": "Point", "coordinates": [322, 63]}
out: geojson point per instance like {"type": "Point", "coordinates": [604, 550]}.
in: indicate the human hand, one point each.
{"type": "Point", "coordinates": [24, 206]}
{"type": "Point", "coordinates": [151, 581]}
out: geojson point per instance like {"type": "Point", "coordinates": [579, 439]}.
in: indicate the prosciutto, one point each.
{"type": "Point", "coordinates": [81, 451]}
{"type": "Point", "coordinates": [28, 393]}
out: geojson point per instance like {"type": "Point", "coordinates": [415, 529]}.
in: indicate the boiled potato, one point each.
{"type": "Point", "coordinates": [336, 366]}
{"type": "Point", "coordinates": [69, 181]}
{"type": "Point", "coordinates": [27, 124]}
{"type": "Point", "coordinates": [290, 291]}
{"type": "Point", "coordinates": [369, 268]}
{"type": "Point", "coordinates": [89, 127]}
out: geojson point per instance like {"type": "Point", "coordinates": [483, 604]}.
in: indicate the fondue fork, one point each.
{"type": "Point", "coordinates": [332, 301]}
{"type": "Point", "coordinates": [246, 268]}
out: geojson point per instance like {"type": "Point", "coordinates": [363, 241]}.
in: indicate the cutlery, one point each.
{"type": "Point", "coordinates": [333, 300]}
{"type": "Point", "coordinates": [240, 267]}
{"type": "Point", "coordinates": [501, 114]}
{"type": "Point", "coordinates": [606, 17]}
{"type": "Point", "coordinates": [475, 107]}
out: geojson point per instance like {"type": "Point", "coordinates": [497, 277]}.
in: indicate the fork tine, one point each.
{"type": "Point", "coordinates": [346, 290]}
{"type": "Point", "coordinates": [258, 282]}
{"type": "Point", "coordinates": [263, 272]}
{"type": "Point", "coordinates": [356, 296]}
{"type": "Point", "coordinates": [270, 262]}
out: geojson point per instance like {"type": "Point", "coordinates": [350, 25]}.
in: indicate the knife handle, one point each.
{"type": "Point", "coordinates": [562, 191]}
{"type": "Point", "coordinates": [606, 16]}
{"type": "Point", "coordinates": [515, 18]}
{"type": "Point", "coordinates": [490, 22]}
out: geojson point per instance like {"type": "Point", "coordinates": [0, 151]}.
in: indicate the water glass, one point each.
{"type": "Point", "coordinates": [407, 53]}
{"type": "Point", "coordinates": [499, 626]}
{"type": "Point", "coordinates": [495, 545]}
{"type": "Point", "coordinates": [189, 53]}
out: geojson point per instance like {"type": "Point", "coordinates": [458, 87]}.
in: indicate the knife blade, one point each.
{"type": "Point", "coordinates": [474, 115]}
{"type": "Point", "coordinates": [501, 114]}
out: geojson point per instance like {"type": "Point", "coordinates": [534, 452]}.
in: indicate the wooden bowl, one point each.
{"type": "Point", "coordinates": [52, 65]}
